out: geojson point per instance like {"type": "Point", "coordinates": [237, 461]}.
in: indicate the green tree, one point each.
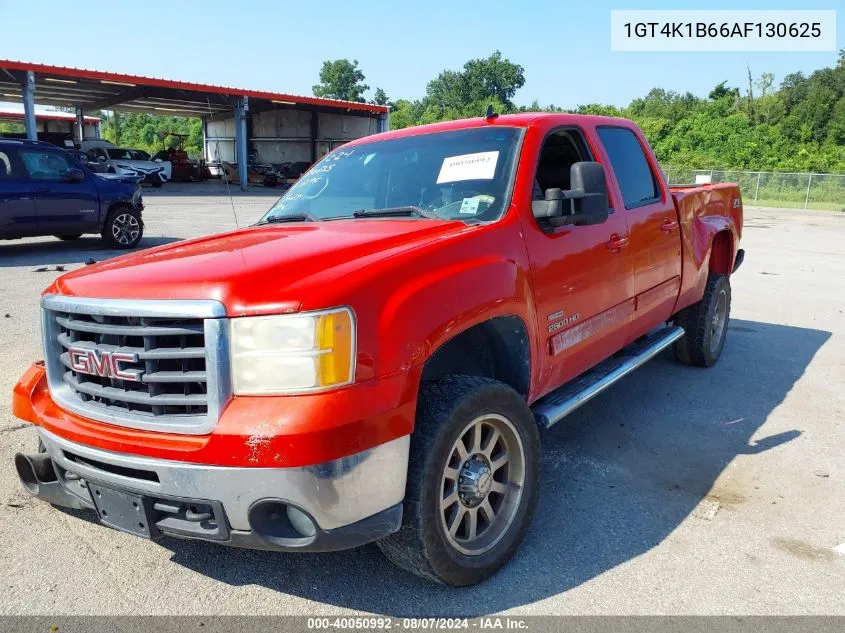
{"type": "Point", "coordinates": [721, 90]}
{"type": "Point", "coordinates": [341, 79]}
{"type": "Point", "coordinates": [147, 132]}
{"type": "Point", "coordinates": [765, 83]}
{"type": "Point", "coordinates": [598, 108]}
{"type": "Point", "coordinates": [380, 97]}
{"type": "Point", "coordinates": [491, 78]}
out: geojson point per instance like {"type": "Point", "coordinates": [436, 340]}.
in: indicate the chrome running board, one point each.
{"type": "Point", "coordinates": [555, 406]}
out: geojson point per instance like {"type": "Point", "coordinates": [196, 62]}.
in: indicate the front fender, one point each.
{"type": "Point", "coordinates": [410, 303]}
{"type": "Point", "coordinates": [438, 305]}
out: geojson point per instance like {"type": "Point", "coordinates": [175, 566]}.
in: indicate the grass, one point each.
{"type": "Point", "coordinates": [791, 204]}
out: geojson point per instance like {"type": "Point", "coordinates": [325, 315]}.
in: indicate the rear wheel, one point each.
{"type": "Point", "coordinates": [68, 238]}
{"type": "Point", "coordinates": [472, 481]}
{"type": "Point", "coordinates": [123, 228]}
{"type": "Point", "coordinates": [705, 324]}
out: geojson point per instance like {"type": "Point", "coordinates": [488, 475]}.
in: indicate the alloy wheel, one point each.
{"type": "Point", "coordinates": [482, 484]}
{"type": "Point", "coordinates": [719, 321]}
{"type": "Point", "coordinates": [125, 229]}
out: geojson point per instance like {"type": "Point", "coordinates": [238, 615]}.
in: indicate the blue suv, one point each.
{"type": "Point", "coordinates": [45, 191]}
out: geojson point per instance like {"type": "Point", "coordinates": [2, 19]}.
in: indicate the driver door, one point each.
{"type": "Point", "coordinates": [63, 207]}
{"type": "Point", "coordinates": [17, 204]}
{"type": "Point", "coordinates": [583, 275]}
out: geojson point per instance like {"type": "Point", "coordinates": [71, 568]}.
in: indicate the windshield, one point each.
{"type": "Point", "coordinates": [463, 175]}
{"type": "Point", "coordinates": [119, 153]}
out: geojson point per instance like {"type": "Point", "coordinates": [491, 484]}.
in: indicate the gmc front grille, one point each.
{"type": "Point", "coordinates": [157, 365]}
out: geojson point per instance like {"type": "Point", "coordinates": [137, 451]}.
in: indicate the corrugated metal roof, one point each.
{"type": "Point", "coordinates": [9, 111]}
{"type": "Point", "coordinates": [97, 89]}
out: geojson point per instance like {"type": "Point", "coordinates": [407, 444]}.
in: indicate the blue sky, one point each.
{"type": "Point", "coordinates": [565, 48]}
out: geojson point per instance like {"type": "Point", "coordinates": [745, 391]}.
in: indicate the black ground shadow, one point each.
{"type": "Point", "coordinates": [619, 475]}
{"type": "Point", "coordinates": [50, 251]}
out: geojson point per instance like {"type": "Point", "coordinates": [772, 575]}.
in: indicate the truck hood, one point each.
{"type": "Point", "coordinates": [262, 269]}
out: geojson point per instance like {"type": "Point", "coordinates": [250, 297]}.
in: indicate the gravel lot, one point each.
{"type": "Point", "coordinates": [678, 491]}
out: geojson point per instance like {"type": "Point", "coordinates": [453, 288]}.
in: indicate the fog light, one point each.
{"type": "Point", "coordinates": [300, 522]}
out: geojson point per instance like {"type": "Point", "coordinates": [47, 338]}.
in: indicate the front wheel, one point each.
{"type": "Point", "coordinates": [123, 228]}
{"type": "Point", "coordinates": [705, 324]}
{"type": "Point", "coordinates": [472, 481]}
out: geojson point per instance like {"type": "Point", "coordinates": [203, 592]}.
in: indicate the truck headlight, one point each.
{"type": "Point", "coordinates": [292, 353]}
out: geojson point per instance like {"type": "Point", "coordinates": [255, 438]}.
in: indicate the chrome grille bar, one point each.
{"type": "Point", "coordinates": [113, 329]}
{"type": "Point", "coordinates": [157, 376]}
{"type": "Point", "coordinates": [136, 397]}
{"type": "Point", "coordinates": [157, 354]}
{"type": "Point", "coordinates": [174, 371]}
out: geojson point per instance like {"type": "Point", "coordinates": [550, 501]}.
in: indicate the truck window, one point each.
{"type": "Point", "coordinates": [560, 151]}
{"type": "Point", "coordinates": [630, 165]}
{"type": "Point", "coordinates": [43, 165]}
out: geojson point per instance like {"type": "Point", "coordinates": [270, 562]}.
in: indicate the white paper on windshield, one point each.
{"type": "Point", "coordinates": [469, 206]}
{"type": "Point", "coordinates": [478, 166]}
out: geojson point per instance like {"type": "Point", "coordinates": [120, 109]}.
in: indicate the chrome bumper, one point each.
{"type": "Point", "coordinates": [363, 490]}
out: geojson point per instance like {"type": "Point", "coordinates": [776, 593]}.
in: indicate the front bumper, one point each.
{"type": "Point", "coordinates": [349, 501]}
{"type": "Point", "coordinates": [253, 432]}
{"type": "Point", "coordinates": [150, 177]}
{"type": "Point", "coordinates": [340, 458]}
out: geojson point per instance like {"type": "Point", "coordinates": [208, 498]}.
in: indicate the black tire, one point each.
{"type": "Point", "coordinates": [68, 238]}
{"type": "Point", "coordinates": [444, 410]}
{"type": "Point", "coordinates": [706, 324]}
{"type": "Point", "coordinates": [119, 218]}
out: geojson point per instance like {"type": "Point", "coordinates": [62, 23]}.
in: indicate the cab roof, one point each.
{"type": "Point", "coordinates": [524, 119]}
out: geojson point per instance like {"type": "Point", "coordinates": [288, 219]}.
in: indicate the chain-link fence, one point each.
{"type": "Point", "coordinates": [774, 189]}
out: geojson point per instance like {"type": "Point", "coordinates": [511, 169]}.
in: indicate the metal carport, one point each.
{"type": "Point", "coordinates": [290, 119]}
{"type": "Point", "coordinates": [53, 123]}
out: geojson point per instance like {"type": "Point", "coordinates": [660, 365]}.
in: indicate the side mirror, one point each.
{"type": "Point", "coordinates": [587, 198]}
{"type": "Point", "coordinates": [75, 175]}
{"type": "Point", "coordinates": [549, 208]}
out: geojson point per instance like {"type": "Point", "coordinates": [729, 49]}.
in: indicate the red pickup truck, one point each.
{"type": "Point", "coordinates": [375, 358]}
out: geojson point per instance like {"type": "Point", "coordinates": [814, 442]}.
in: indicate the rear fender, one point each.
{"type": "Point", "coordinates": [706, 213]}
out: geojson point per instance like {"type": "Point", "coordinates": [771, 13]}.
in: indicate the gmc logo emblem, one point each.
{"type": "Point", "coordinates": [103, 363]}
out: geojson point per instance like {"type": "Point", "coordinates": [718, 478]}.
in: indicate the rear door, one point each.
{"type": "Point", "coordinates": [64, 207]}
{"type": "Point", "coordinates": [583, 275]}
{"type": "Point", "coordinates": [653, 223]}
{"type": "Point", "coordinates": [17, 198]}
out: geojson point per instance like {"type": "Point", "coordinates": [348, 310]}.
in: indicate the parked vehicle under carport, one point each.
{"type": "Point", "coordinates": [45, 191]}
{"type": "Point", "coordinates": [127, 162]}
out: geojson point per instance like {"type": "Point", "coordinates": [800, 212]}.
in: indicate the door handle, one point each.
{"type": "Point", "coordinates": [669, 225]}
{"type": "Point", "coordinates": [617, 242]}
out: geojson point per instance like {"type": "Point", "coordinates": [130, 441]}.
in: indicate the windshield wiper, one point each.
{"type": "Point", "coordinates": [293, 217]}
{"type": "Point", "coordinates": [395, 212]}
